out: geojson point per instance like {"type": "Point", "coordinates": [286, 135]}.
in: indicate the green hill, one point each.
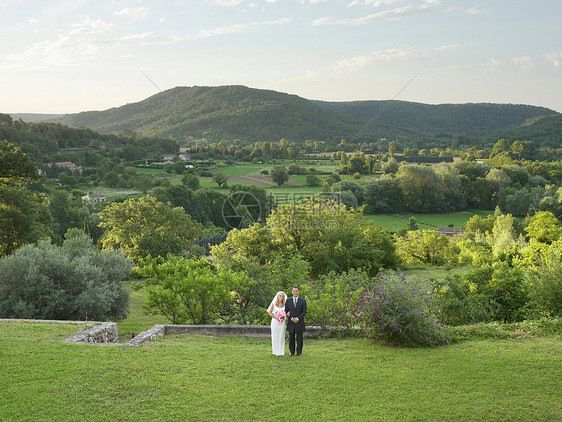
{"type": "Point", "coordinates": [451, 119]}
{"type": "Point", "coordinates": [230, 112]}
{"type": "Point", "coordinates": [239, 112]}
{"type": "Point", "coordinates": [544, 130]}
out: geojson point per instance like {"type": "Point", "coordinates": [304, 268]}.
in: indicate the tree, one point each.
{"type": "Point", "coordinates": [111, 180]}
{"type": "Point", "coordinates": [357, 164]}
{"type": "Point", "coordinates": [420, 186]}
{"type": "Point", "coordinates": [313, 180]}
{"type": "Point", "coordinates": [220, 179]}
{"type": "Point", "coordinates": [15, 165]}
{"type": "Point", "coordinates": [391, 166]}
{"type": "Point", "coordinates": [384, 195]}
{"type": "Point", "coordinates": [544, 227]}
{"type": "Point", "coordinates": [191, 181]}
{"type": "Point", "coordinates": [424, 246]}
{"type": "Point", "coordinates": [352, 187]}
{"type": "Point", "coordinates": [24, 218]}
{"type": "Point", "coordinates": [392, 148]}
{"type": "Point", "coordinates": [143, 183]}
{"type": "Point", "coordinates": [279, 175]}
{"type": "Point", "coordinates": [24, 215]}
{"type": "Point", "coordinates": [75, 281]}
{"type": "Point", "coordinates": [186, 291]}
{"type": "Point", "coordinates": [145, 226]}
{"type": "Point", "coordinates": [328, 236]}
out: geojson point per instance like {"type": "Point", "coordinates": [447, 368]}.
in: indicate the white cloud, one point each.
{"type": "Point", "coordinates": [82, 43]}
{"type": "Point", "coordinates": [523, 63]}
{"type": "Point", "coordinates": [234, 28]}
{"type": "Point", "coordinates": [89, 26]}
{"type": "Point", "coordinates": [380, 58]}
{"type": "Point", "coordinates": [228, 3]}
{"type": "Point", "coordinates": [553, 58]}
{"type": "Point", "coordinates": [447, 47]}
{"type": "Point", "coordinates": [391, 14]}
{"type": "Point", "coordinates": [136, 13]}
{"type": "Point", "coordinates": [374, 3]}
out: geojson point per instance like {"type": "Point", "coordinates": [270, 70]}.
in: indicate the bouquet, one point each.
{"type": "Point", "coordinates": [281, 316]}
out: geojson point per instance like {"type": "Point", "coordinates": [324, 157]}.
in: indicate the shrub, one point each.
{"type": "Point", "coordinates": [72, 282]}
{"type": "Point", "coordinates": [546, 282]}
{"type": "Point", "coordinates": [396, 309]}
{"type": "Point", "coordinates": [495, 292]}
{"type": "Point", "coordinates": [333, 298]}
{"type": "Point", "coordinates": [186, 290]}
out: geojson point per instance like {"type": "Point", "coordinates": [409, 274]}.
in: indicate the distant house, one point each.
{"type": "Point", "coordinates": [184, 157]}
{"type": "Point", "coordinates": [69, 165]}
{"type": "Point", "coordinates": [450, 231]}
{"type": "Point", "coordinates": [93, 199]}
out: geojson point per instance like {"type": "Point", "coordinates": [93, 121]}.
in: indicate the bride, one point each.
{"type": "Point", "coordinates": [277, 313]}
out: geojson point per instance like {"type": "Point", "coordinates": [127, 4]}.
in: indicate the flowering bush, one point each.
{"type": "Point", "coordinates": [281, 316]}
{"type": "Point", "coordinates": [397, 310]}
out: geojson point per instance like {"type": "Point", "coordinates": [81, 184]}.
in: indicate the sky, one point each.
{"type": "Point", "coordinates": [68, 56]}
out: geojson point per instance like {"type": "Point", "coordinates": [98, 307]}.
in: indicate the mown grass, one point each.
{"type": "Point", "coordinates": [137, 319]}
{"type": "Point", "coordinates": [237, 379]}
{"type": "Point", "coordinates": [396, 222]}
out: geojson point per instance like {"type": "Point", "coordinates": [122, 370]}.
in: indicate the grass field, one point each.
{"type": "Point", "coordinates": [236, 379]}
{"type": "Point", "coordinates": [396, 222]}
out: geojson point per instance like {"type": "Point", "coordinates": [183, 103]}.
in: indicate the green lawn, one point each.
{"type": "Point", "coordinates": [396, 222]}
{"type": "Point", "coordinates": [237, 379]}
{"type": "Point", "coordinates": [137, 320]}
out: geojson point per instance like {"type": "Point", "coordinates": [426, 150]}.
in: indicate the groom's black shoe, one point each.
{"type": "Point", "coordinates": [292, 354]}
{"type": "Point", "coordinates": [299, 355]}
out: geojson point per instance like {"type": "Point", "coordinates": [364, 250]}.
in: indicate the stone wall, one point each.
{"type": "Point", "coordinates": [98, 333]}
{"type": "Point", "coordinates": [104, 333]}
{"type": "Point", "coordinates": [254, 331]}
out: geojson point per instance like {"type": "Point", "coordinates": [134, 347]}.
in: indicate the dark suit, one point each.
{"type": "Point", "coordinates": [296, 330]}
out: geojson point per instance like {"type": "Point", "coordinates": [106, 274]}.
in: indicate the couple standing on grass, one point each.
{"type": "Point", "coordinates": [293, 310]}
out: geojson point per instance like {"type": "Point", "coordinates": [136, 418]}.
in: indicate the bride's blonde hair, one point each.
{"type": "Point", "coordinates": [276, 299]}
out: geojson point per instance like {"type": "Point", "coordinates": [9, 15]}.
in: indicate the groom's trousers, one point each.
{"type": "Point", "coordinates": [299, 337]}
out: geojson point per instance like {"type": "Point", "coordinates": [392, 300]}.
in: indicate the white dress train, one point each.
{"type": "Point", "coordinates": [277, 334]}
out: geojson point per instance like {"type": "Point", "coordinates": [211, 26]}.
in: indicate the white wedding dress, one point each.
{"type": "Point", "coordinates": [277, 334]}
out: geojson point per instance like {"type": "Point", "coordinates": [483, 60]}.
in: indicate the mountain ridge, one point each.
{"type": "Point", "coordinates": [238, 112]}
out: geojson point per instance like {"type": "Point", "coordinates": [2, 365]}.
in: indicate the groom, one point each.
{"type": "Point", "coordinates": [295, 326]}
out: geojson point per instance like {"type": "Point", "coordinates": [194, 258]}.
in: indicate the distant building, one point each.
{"type": "Point", "coordinates": [69, 165]}
{"type": "Point", "coordinates": [93, 199]}
{"type": "Point", "coordinates": [450, 231]}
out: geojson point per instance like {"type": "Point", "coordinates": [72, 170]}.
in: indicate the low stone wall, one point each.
{"type": "Point", "coordinates": [104, 333]}
{"type": "Point", "coordinates": [252, 331]}
{"type": "Point", "coordinates": [99, 333]}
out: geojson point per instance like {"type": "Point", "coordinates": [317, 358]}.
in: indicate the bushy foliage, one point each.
{"type": "Point", "coordinates": [328, 236]}
{"type": "Point", "coordinates": [495, 292]}
{"type": "Point", "coordinates": [332, 298]}
{"type": "Point", "coordinates": [72, 282]}
{"type": "Point", "coordinates": [145, 226]}
{"type": "Point", "coordinates": [397, 310]}
{"type": "Point", "coordinates": [186, 290]}
{"type": "Point", "coordinates": [545, 279]}
{"type": "Point", "coordinates": [427, 247]}
{"type": "Point", "coordinates": [268, 269]}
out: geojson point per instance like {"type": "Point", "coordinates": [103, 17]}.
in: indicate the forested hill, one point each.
{"type": "Point", "coordinates": [231, 112]}
{"type": "Point", "coordinates": [544, 130]}
{"type": "Point", "coordinates": [451, 119]}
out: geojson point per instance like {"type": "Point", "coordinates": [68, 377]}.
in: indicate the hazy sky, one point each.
{"type": "Point", "coordinates": [75, 55]}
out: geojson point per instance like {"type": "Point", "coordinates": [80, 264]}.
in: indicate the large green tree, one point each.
{"type": "Point", "coordinates": [145, 226]}
{"type": "Point", "coordinates": [24, 214]}
{"type": "Point", "coordinates": [279, 175]}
